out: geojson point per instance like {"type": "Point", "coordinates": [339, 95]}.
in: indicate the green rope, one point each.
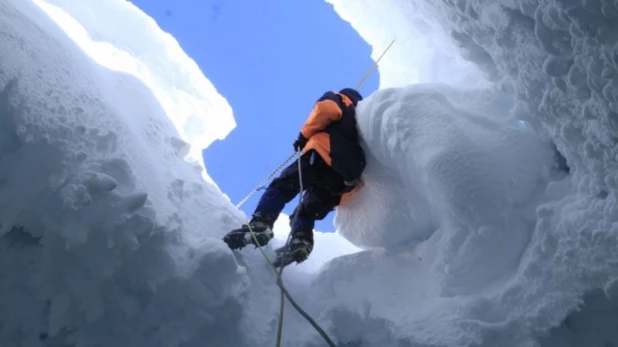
{"type": "Point", "coordinates": [284, 292]}
{"type": "Point", "coordinates": [263, 183]}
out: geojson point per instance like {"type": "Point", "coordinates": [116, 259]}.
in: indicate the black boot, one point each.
{"type": "Point", "coordinates": [258, 233]}
{"type": "Point", "coordinates": [297, 250]}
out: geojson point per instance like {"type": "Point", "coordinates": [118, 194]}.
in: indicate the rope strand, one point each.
{"type": "Point", "coordinates": [283, 290]}
{"type": "Point", "coordinates": [263, 183]}
{"type": "Point", "coordinates": [375, 64]}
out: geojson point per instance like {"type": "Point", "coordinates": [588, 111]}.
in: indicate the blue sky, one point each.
{"type": "Point", "coordinates": [271, 59]}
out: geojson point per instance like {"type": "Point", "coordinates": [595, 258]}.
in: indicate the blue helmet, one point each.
{"type": "Point", "coordinates": [353, 94]}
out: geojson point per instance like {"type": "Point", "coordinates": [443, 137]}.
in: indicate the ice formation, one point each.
{"type": "Point", "coordinates": [454, 191]}
{"type": "Point", "coordinates": [558, 59]}
{"type": "Point", "coordinates": [136, 45]}
{"type": "Point", "coordinates": [109, 234]}
{"type": "Point", "coordinates": [422, 52]}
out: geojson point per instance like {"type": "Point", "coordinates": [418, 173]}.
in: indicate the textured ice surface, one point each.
{"type": "Point", "coordinates": [108, 235]}
{"type": "Point", "coordinates": [559, 60]}
{"type": "Point", "coordinates": [136, 45]}
{"type": "Point", "coordinates": [451, 192]}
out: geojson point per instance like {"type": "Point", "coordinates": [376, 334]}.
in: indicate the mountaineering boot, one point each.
{"type": "Point", "coordinates": [297, 250]}
{"type": "Point", "coordinates": [239, 238]}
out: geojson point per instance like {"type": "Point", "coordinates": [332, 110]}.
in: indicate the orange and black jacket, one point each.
{"type": "Point", "coordinates": [332, 132]}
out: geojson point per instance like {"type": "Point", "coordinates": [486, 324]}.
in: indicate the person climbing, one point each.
{"type": "Point", "coordinates": [331, 165]}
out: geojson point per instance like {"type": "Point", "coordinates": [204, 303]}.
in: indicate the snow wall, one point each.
{"type": "Point", "coordinates": [558, 59]}
{"type": "Point", "coordinates": [109, 234]}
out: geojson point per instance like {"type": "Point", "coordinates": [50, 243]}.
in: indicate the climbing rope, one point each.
{"type": "Point", "coordinates": [283, 290]}
{"type": "Point", "coordinates": [279, 272]}
{"type": "Point", "coordinates": [375, 64]}
{"type": "Point", "coordinates": [262, 184]}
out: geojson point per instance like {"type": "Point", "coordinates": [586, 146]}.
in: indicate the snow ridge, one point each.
{"type": "Point", "coordinates": [136, 45]}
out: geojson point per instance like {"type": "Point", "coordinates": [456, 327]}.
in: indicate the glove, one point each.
{"type": "Point", "coordinates": [300, 143]}
{"type": "Point", "coordinates": [297, 250]}
{"type": "Point", "coordinates": [350, 185]}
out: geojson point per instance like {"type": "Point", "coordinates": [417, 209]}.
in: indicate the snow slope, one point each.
{"type": "Point", "coordinates": [109, 234]}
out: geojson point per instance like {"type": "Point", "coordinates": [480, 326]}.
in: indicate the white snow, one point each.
{"type": "Point", "coordinates": [422, 51]}
{"type": "Point", "coordinates": [136, 45]}
{"type": "Point", "coordinates": [558, 59]}
{"type": "Point", "coordinates": [109, 234]}
{"type": "Point", "coordinates": [459, 183]}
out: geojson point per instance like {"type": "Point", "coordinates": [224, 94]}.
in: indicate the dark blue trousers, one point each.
{"type": "Point", "coordinates": [323, 189]}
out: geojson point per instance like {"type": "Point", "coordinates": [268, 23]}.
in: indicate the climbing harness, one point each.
{"type": "Point", "coordinates": [279, 272]}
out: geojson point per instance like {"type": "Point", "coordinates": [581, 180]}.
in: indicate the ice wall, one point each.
{"type": "Point", "coordinates": [109, 236]}
{"type": "Point", "coordinates": [558, 59]}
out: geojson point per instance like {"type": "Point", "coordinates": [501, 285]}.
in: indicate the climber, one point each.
{"type": "Point", "coordinates": [332, 162]}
